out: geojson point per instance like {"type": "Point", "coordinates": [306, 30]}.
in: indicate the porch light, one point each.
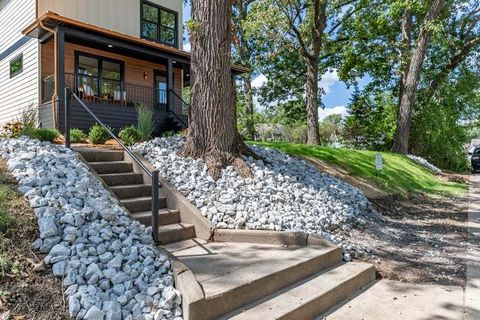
{"type": "Point", "coordinates": [110, 45]}
{"type": "Point", "coordinates": [145, 75]}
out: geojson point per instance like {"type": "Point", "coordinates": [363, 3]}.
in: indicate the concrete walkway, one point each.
{"type": "Point", "coordinates": [400, 301]}
{"type": "Point", "coordinates": [472, 290]}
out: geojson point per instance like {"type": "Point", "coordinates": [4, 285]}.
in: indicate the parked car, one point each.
{"type": "Point", "coordinates": [475, 160]}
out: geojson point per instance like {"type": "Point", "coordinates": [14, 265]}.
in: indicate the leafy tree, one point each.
{"type": "Point", "coordinates": [296, 39]}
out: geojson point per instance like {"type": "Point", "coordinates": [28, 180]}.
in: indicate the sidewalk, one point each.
{"type": "Point", "coordinates": [472, 290]}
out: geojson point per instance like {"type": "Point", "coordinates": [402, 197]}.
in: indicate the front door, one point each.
{"type": "Point", "coordinates": [161, 89]}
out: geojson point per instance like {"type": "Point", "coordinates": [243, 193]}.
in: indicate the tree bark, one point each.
{"type": "Point", "coordinates": [313, 136]}
{"type": "Point", "coordinates": [318, 27]}
{"type": "Point", "coordinates": [213, 133]}
{"type": "Point", "coordinates": [409, 84]}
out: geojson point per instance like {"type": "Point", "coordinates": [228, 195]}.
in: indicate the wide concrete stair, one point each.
{"type": "Point", "coordinates": [135, 194]}
{"type": "Point", "coordinates": [258, 281]}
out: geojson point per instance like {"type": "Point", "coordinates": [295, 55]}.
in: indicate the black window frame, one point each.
{"type": "Point", "coordinates": [100, 77]}
{"type": "Point", "coordinates": [14, 60]}
{"type": "Point", "coordinates": [159, 23]}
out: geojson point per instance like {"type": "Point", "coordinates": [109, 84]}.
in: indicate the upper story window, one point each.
{"type": "Point", "coordinates": [16, 65]}
{"type": "Point", "coordinates": [159, 24]}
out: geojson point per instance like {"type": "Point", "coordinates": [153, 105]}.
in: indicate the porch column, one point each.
{"type": "Point", "coordinates": [60, 76]}
{"type": "Point", "coordinates": [170, 98]}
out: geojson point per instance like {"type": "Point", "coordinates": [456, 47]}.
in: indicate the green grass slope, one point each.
{"type": "Point", "coordinates": [400, 175]}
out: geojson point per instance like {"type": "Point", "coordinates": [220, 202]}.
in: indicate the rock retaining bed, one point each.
{"type": "Point", "coordinates": [285, 194]}
{"type": "Point", "coordinates": [108, 263]}
{"type": "Point", "coordinates": [424, 162]}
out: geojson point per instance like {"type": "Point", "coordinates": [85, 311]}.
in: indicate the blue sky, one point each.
{"type": "Point", "coordinates": [337, 94]}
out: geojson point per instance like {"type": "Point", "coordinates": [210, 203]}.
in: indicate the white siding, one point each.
{"type": "Point", "coordinates": [21, 91]}
{"type": "Point", "coordinates": [118, 15]}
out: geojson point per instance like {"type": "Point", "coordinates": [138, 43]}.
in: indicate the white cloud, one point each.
{"type": "Point", "coordinates": [328, 80]}
{"type": "Point", "coordinates": [323, 113]}
{"type": "Point", "coordinates": [259, 81]}
{"type": "Point", "coordinates": [187, 47]}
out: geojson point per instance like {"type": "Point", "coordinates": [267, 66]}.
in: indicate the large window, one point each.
{"type": "Point", "coordinates": [99, 77]}
{"type": "Point", "coordinates": [159, 24]}
{"type": "Point", "coordinates": [16, 65]}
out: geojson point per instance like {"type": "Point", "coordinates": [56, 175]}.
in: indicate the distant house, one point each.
{"type": "Point", "coordinates": [114, 54]}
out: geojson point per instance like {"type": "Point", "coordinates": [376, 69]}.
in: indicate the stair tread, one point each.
{"type": "Point", "coordinates": [119, 174]}
{"type": "Point", "coordinates": [175, 227]}
{"type": "Point", "coordinates": [131, 186]}
{"type": "Point", "coordinates": [140, 199]}
{"type": "Point", "coordinates": [160, 212]}
{"type": "Point", "coordinates": [109, 162]}
{"type": "Point", "coordinates": [281, 303]}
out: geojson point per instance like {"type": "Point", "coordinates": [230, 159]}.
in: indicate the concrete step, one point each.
{"type": "Point", "coordinates": [233, 275]}
{"type": "Point", "coordinates": [122, 179]}
{"type": "Point", "coordinates": [165, 216]}
{"type": "Point", "coordinates": [142, 204]}
{"type": "Point", "coordinates": [132, 191]}
{"type": "Point", "coordinates": [112, 167]}
{"type": "Point", "coordinates": [175, 232]}
{"type": "Point", "coordinates": [98, 155]}
{"type": "Point", "coordinates": [310, 297]}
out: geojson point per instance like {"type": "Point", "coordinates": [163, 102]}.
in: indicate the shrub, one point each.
{"type": "Point", "coordinates": [44, 134]}
{"type": "Point", "coordinates": [98, 134]}
{"type": "Point", "coordinates": [77, 136]}
{"type": "Point", "coordinates": [129, 135]}
{"type": "Point", "coordinates": [145, 123]}
{"type": "Point", "coordinates": [168, 134]}
{"type": "Point", "coordinates": [13, 129]}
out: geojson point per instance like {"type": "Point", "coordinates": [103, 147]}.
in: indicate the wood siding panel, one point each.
{"type": "Point", "coordinates": [118, 15]}
{"type": "Point", "coordinates": [21, 91]}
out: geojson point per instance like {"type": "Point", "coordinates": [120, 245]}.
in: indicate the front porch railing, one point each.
{"type": "Point", "coordinates": [124, 94]}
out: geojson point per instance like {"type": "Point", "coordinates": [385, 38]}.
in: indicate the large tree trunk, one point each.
{"type": "Point", "coordinates": [213, 133]}
{"type": "Point", "coordinates": [312, 103]}
{"type": "Point", "coordinates": [410, 82]}
{"type": "Point", "coordinates": [249, 108]}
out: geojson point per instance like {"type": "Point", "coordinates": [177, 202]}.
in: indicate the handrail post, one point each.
{"type": "Point", "coordinates": [155, 205]}
{"type": "Point", "coordinates": [68, 95]}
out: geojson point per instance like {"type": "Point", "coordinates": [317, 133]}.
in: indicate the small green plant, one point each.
{"type": "Point", "coordinates": [77, 136]}
{"type": "Point", "coordinates": [44, 134]}
{"type": "Point", "coordinates": [129, 135]}
{"type": "Point", "coordinates": [168, 134]}
{"type": "Point", "coordinates": [145, 122]}
{"type": "Point", "coordinates": [98, 134]}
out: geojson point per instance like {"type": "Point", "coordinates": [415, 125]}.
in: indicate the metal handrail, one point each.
{"type": "Point", "coordinates": [174, 113]}
{"type": "Point", "coordinates": [153, 174]}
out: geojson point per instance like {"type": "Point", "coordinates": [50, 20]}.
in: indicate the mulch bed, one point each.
{"type": "Point", "coordinates": [422, 240]}
{"type": "Point", "coordinates": [24, 292]}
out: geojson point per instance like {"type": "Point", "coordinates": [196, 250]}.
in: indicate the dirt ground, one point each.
{"type": "Point", "coordinates": [421, 240]}
{"type": "Point", "coordinates": [24, 293]}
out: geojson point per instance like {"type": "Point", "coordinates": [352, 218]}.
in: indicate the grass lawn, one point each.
{"type": "Point", "coordinates": [399, 176]}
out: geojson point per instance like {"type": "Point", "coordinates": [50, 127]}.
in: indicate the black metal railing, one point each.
{"type": "Point", "coordinates": [112, 92]}
{"type": "Point", "coordinates": [179, 108]}
{"type": "Point", "coordinates": [152, 174]}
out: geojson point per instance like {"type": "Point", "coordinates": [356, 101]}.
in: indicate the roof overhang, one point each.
{"type": "Point", "coordinates": [53, 20]}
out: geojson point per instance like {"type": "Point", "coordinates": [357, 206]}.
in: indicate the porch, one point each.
{"type": "Point", "coordinates": [111, 72]}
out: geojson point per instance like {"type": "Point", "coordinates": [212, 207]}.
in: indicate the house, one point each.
{"type": "Point", "coordinates": [113, 54]}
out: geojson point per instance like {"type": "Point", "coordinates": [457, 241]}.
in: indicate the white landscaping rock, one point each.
{"type": "Point", "coordinates": [424, 162]}
{"type": "Point", "coordinates": [286, 193]}
{"type": "Point", "coordinates": [106, 259]}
